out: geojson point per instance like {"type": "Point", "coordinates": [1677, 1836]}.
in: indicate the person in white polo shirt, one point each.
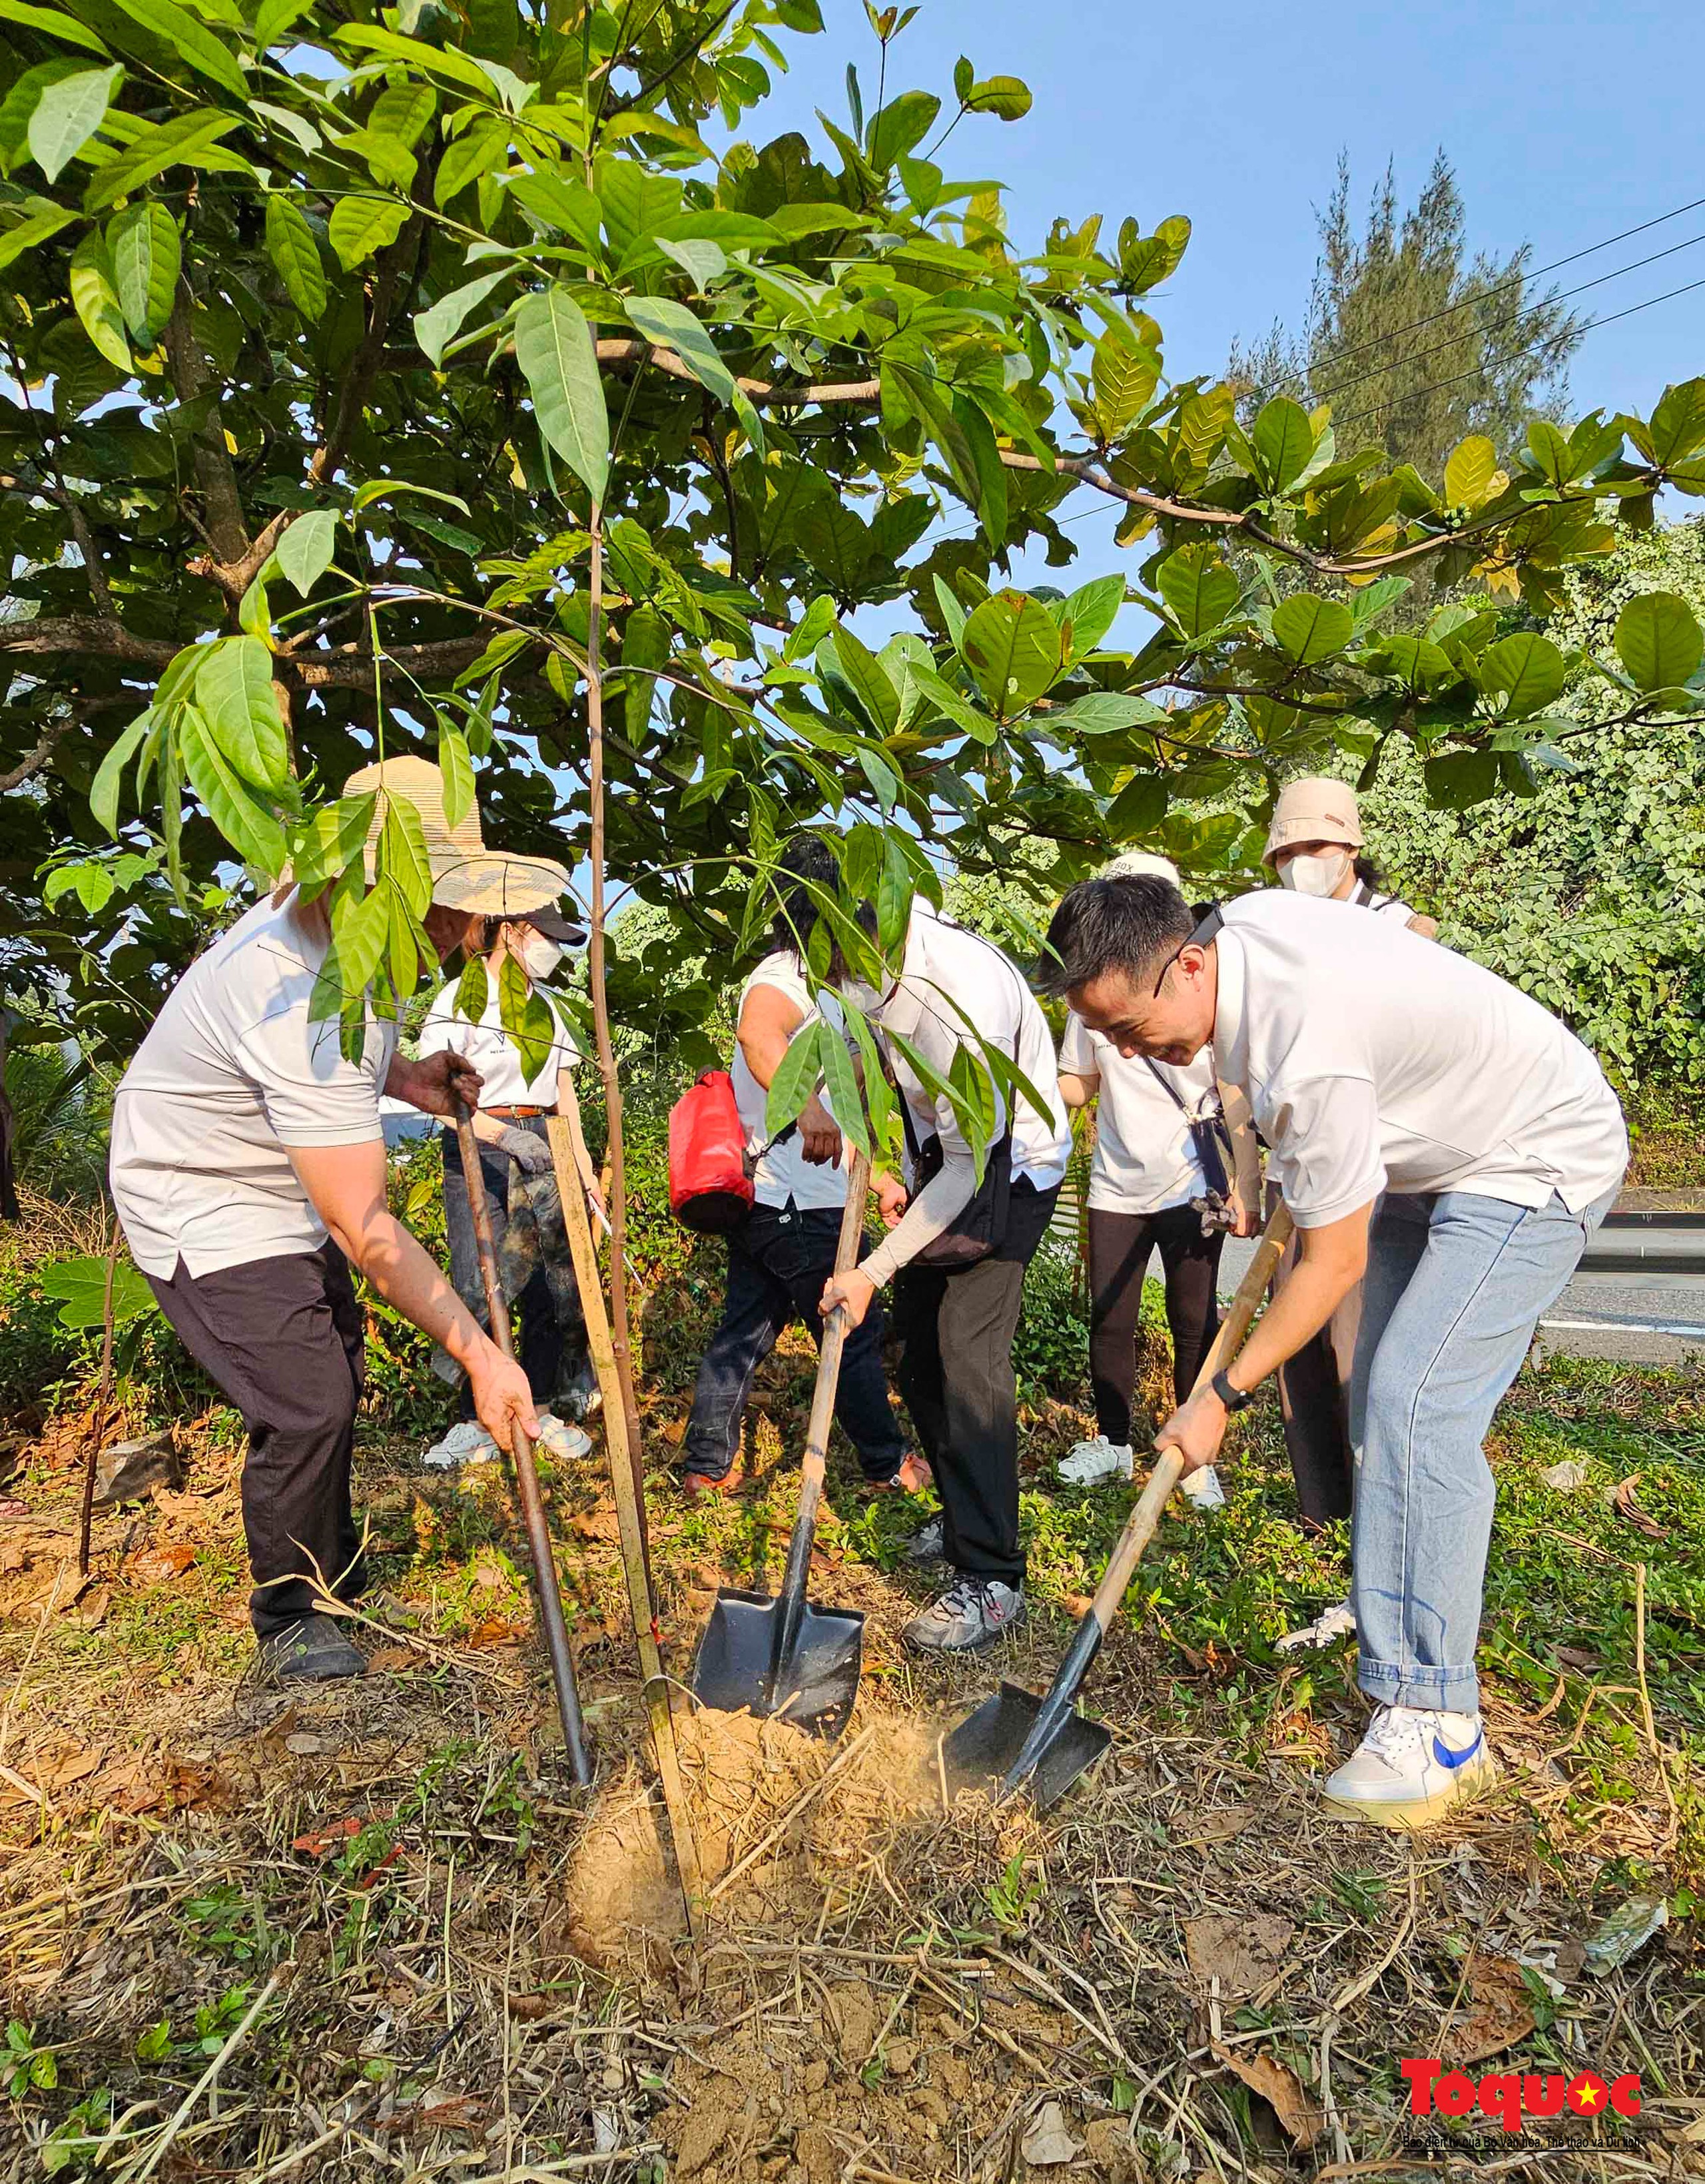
{"type": "Point", "coordinates": [248, 1168]}
{"type": "Point", "coordinates": [1148, 1188]}
{"type": "Point", "coordinates": [518, 1175]}
{"type": "Point", "coordinates": [784, 1251]}
{"type": "Point", "coordinates": [959, 1253]}
{"type": "Point", "coordinates": [1379, 1068]}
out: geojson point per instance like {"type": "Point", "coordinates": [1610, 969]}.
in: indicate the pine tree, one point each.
{"type": "Point", "coordinates": [1413, 343]}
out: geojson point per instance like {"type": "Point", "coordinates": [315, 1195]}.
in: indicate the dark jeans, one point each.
{"type": "Point", "coordinates": [957, 1375]}
{"type": "Point", "coordinates": [281, 1339]}
{"type": "Point", "coordinates": [534, 1265]}
{"type": "Point", "coordinates": [1119, 1248]}
{"type": "Point", "coordinates": [778, 1260]}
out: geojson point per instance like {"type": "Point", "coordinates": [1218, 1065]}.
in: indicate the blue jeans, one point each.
{"type": "Point", "coordinates": [778, 1260]}
{"type": "Point", "coordinates": [1455, 1287]}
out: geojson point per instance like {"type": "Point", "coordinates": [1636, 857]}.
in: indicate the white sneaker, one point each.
{"type": "Point", "coordinates": [466, 1442]}
{"type": "Point", "coordinates": [1202, 1489]}
{"type": "Point", "coordinates": [1331, 1625]}
{"type": "Point", "coordinates": [561, 1439]}
{"type": "Point", "coordinates": [1092, 1461]}
{"type": "Point", "coordinates": [1412, 1766]}
{"type": "Point", "coordinates": [972, 1613]}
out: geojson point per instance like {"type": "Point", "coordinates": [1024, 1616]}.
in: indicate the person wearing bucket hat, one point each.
{"type": "Point", "coordinates": [248, 1166]}
{"type": "Point", "coordinates": [519, 1177]}
{"type": "Point", "coordinates": [1158, 1134]}
{"type": "Point", "coordinates": [1314, 844]}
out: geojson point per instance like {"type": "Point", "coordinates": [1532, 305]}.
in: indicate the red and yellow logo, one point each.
{"type": "Point", "coordinates": [1434, 2089]}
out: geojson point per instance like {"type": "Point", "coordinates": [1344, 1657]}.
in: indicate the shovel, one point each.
{"type": "Point", "coordinates": [526, 1471]}
{"type": "Point", "coordinates": [784, 1656]}
{"type": "Point", "coordinates": [1016, 1739]}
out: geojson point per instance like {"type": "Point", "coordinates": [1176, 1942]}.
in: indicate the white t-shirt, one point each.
{"type": "Point", "coordinates": [1374, 1059]}
{"type": "Point", "coordinates": [1146, 1158]}
{"type": "Point", "coordinates": [784, 1171]}
{"type": "Point", "coordinates": [1382, 906]}
{"type": "Point", "coordinates": [503, 1081]}
{"type": "Point", "coordinates": [232, 1073]}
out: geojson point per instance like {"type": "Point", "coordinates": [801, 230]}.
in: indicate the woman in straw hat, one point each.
{"type": "Point", "coordinates": [519, 1178]}
{"type": "Point", "coordinates": [1315, 846]}
{"type": "Point", "coordinates": [249, 1171]}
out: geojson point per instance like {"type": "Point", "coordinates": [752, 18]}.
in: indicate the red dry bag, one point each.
{"type": "Point", "coordinates": [710, 1189]}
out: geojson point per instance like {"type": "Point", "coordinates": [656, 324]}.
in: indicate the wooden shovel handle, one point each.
{"type": "Point", "coordinates": [1139, 1526]}
{"type": "Point", "coordinates": [835, 1327]}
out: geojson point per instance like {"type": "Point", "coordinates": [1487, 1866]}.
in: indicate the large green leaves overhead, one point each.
{"type": "Point", "coordinates": [554, 349]}
{"type": "Point", "coordinates": [1012, 646]}
{"type": "Point", "coordinates": [1658, 641]}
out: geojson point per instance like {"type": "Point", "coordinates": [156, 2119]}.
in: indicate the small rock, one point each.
{"type": "Point", "coordinates": [816, 2076]}
{"type": "Point", "coordinates": [303, 1742]}
{"type": "Point", "coordinates": [901, 2055]}
{"type": "Point", "coordinates": [1566, 1478]}
{"type": "Point", "coordinates": [1110, 2149]}
{"type": "Point", "coordinates": [1048, 2144]}
{"type": "Point", "coordinates": [131, 1468]}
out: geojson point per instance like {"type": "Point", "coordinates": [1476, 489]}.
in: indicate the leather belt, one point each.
{"type": "Point", "coordinates": [517, 1114]}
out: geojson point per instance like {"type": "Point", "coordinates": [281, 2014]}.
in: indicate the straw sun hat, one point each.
{"type": "Point", "coordinates": [1315, 809]}
{"type": "Point", "coordinates": [467, 875]}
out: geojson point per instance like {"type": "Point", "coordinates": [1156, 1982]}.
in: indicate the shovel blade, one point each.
{"type": "Point", "coordinates": [980, 1751]}
{"type": "Point", "coordinates": [818, 1681]}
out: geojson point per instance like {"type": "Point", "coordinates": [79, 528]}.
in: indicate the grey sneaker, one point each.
{"type": "Point", "coordinates": [928, 1544]}
{"type": "Point", "coordinates": [972, 1612]}
{"type": "Point", "coordinates": [313, 1651]}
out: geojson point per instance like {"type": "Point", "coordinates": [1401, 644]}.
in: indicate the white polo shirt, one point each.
{"type": "Point", "coordinates": [503, 1081]}
{"type": "Point", "coordinates": [232, 1073]}
{"type": "Point", "coordinates": [784, 1171]}
{"type": "Point", "coordinates": [1145, 1157]}
{"type": "Point", "coordinates": [1374, 1059]}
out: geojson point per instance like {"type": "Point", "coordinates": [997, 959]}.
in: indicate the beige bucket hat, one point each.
{"type": "Point", "coordinates": [1141, 864]}
{"type": "Point", "coordinates": [466, 874]}
{"type": "Point", "coordinates": [1317, 809]}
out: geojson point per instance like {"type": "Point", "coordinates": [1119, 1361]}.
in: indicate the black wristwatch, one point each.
{"type": "Point", "coordinates": [1234, 1399]}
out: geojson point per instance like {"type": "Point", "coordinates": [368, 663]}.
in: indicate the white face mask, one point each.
{"type": "Point", "coordinates": [1318, 876]}
{"type": "Point", "coordinates": [539, 957]}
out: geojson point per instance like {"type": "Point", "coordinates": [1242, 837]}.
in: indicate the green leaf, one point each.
{"type": "Point", "coordinates": [1138, 808]}
{"type": "Point", "coordinates": [938, 693]}
{"type": "Point", "coordinates": [878, 1094]}
{"type": "Point", "coordinates": [1461, 778]}
{"type": "Point", "coordinates": [670, 324]}
{"type": "Point", "coordinates": [1658, 641]}
{"type": "Point", "coordinates": [1528, 668]}
{"type": "Point", "coordinates": [249, 828]}
{"type": "Point", "coordinates": [458, 769]}
{"type": "Point", "coordinates": [795, 1079]}
{"type": "Point", "coordinates": [902, 124]}
{"type": "Point", "coordinates": [45, 221]}
{"type": "Point", "coordinates": [1311, 629]}
{"type": "Point", "coordinates": [1012, 646]}
{"type": "Point", "coordinates": [233, 686]}
{"type": "Point", "coordinates": [291, 246]}
{"type": "Point", "coordinates": [1678, 423]}
{"type": "Point", "coordinates": [67, 114]}
{"type": "Point", "coordinates": [473, 991]}
{"type": "Point", "coordinates": [894, 893]}
{"type": "Point", "coordinates": [95, 297]}
{"type": "Point", "coordinates": [877, 697]}
{"type": "Point", "coordinates": [1469, 472]}
{"type": "Point", "coordinates": [188, 141]}
{"type": "Point", "coordinates": [50, 20]}
{"type": "Point", "coordinates": [841, 1083]}
{"type": "Point", "coordinates": [330, 843]}
{"type": "Point", "coordinates": [186, 37]}
{"type": "Point", "coordinates": [1005, 96]}
{"type": "Point", "coordinates": [554, 348]}
{"type": "Point", "coordinates": [1108, 713]}
{"type": "Point", "coordinates": [360, 934]}
{"type": "Point", "coordinates": [80, 1284]}
{"type": "Point", "coordinates": [527, 1019]}
{"type": "Point", "coordinates": [1087, 616]}
{"type": "Point", "coordinates": [1284, 441]}
{"type": "Point", "coordinates": [403, 858]}
{"type": "Point", "coordinates": [306, 548]}
{"type": "Point", "coordinates": [147, 255]}
{"type": "Point", "coordinates": [1123, 374]}
{"type": "Point", "coordinates": [103, 789]}
{"type": "Point", "coordinates": [360, 225]}
{"type": "Point", "coordinates": [433, 327]}
{"type": "Point", "coordinates": [1199, 589]}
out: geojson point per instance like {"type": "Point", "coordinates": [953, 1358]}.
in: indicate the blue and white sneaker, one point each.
{"type": "Point", "coordinates": [1411, 1768]}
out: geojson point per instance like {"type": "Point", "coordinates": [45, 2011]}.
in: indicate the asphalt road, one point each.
{"type": "Point", "coordinates": [1597, 1315]}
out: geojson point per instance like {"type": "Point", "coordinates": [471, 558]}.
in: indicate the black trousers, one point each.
{"type": "Point", "coordinates": [1119, 1248]}
{"type": "Point", "coordinates": [1314, 1403]}
{"type": "Point", "coordinates": [778, 1260]}
{"type": "Point", "coordinates": [281, 1339]}
{"type": "Point", "coordinates": [957, 1375]}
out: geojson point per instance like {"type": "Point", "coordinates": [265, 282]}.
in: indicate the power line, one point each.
{"type": "Point", "coordinates": [1429, 386]}
{"type": "Point", "coordinates": [1515, 280]}
{"type": "Point", "coordinates": [1331, 393]}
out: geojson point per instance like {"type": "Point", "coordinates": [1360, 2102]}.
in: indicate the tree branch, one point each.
{"type": "Point", "coordinates": [97, 634]}
{"type": "Point", "coordinates": [215, 471]}
{"type": "Point", "coordinates": [33, 763]}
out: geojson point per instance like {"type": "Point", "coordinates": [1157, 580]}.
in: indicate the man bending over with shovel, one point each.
{"type": "Point", "coordinates": [1376, 1061]}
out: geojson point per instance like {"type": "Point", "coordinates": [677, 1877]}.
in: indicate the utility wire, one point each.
{"type": "Point", "coordinates": [1378, 370]}
{"type": "Point", "coordinates": [1515, 280]}
{"type": "Point", "coordinates": [1429, 387]}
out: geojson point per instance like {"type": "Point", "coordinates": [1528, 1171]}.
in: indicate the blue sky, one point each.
{"type": "Point", "coordinates": [1553, 115]}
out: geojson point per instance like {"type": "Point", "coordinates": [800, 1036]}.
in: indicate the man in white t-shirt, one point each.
{"type": "Point", "coordinates": [248, 1168]}
{"type": "Point", "coordinates": [784, 1251]}
{"type": "Point", "coordinates": [954, 992]}
{"type": "Point", "coordinates": [1375, 1062]}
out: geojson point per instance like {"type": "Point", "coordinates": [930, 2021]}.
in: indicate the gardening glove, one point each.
{"type": "Point", "coordinates": [531, 1155]}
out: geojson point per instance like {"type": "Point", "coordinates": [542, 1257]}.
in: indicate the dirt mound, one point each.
{"type": "Point", "coordinates": [769, 1846]}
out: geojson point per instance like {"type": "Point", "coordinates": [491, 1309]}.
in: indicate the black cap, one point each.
{"type": "Point", "coordinates": [553, 926]}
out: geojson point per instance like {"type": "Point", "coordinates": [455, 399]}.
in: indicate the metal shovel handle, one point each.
{"type": "Point", "coordinates": [790, 1606]}
{"type": "Point", "coordinates": [526, 1470]}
